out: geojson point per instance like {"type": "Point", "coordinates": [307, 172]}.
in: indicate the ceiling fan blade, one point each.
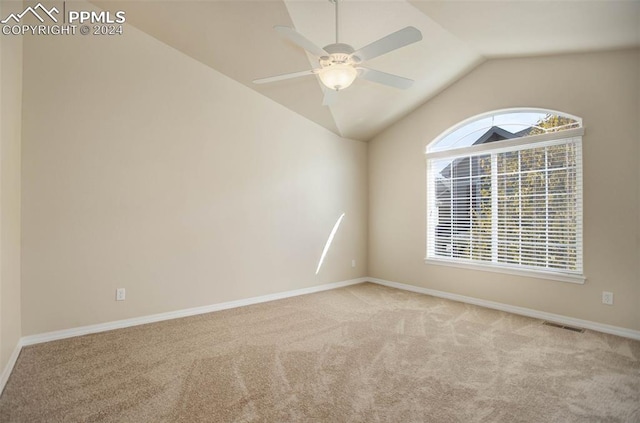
{"type": "Point", "coordinates": [330, 97]}
{"type": "Point", "coordinates": [285, 76]}
{"type": "Point", "coordinates": [384, 78]}
{"type": "Point", "coordinates": [300, 40]}
{"type": "Point", "coordinates": [398, 39]}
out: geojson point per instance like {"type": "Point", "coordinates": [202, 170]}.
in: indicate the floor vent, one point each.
{"type": "Point", "coordinates": [557, 325]}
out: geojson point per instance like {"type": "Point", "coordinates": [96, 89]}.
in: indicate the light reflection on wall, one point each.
{"type": "Point", "coordinates": [329, 241]}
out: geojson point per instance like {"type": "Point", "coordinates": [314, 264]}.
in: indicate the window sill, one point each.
{"type": "Point", "coordinates": [579, 279]}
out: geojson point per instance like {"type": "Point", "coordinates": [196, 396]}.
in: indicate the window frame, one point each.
{"type": "Point", "coordinates": [496, 147]}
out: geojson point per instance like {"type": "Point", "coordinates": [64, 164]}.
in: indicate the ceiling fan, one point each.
{"type": "Point", "coordinates": [340, 64]}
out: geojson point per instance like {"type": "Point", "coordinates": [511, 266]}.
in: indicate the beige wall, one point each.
{"type": "Point", "coordinates": [10, 126]}
{"type": "Point", "coordinates": [144, 169]}
{"type": "Point", "coordinates": [601, 88]}
{"type": "Point", "coordinates": [147, 170]}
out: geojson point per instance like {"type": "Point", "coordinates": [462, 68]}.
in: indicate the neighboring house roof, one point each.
{"type": "Point", "coordinates": [495, 133]}
{"type": "Point", "coordinates": [524, 132]}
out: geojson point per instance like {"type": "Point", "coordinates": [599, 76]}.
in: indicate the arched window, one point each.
{"type": "Point", "coordinates": [504, 193]}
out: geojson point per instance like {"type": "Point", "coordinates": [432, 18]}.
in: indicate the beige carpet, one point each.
{"type": "Point", "coordinates": [365, 353]}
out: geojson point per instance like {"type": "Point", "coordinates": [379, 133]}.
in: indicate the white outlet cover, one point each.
{"type": "Point", "coordinates": [607, 297]}
{"type": "Point", "coordinates": [120, 294]}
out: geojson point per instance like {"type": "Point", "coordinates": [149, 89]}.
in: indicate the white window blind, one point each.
{"type": "Point", "coordinates": [518, 205]}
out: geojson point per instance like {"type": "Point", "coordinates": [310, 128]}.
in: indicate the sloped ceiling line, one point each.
{"type": "Point", "coordinates": [237, 39]}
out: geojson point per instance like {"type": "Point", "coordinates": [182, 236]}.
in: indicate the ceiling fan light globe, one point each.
{"type": "Point", "coordinates": [338, 76]}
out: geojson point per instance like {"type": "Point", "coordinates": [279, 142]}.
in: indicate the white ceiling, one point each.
{"type": "Point", "coordinates": [237, 38]}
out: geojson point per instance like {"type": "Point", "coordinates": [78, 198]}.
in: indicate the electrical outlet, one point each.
{"type": "Point", "coordinates": [607, 298]}
{"type": "Point", "coordinates": [353, 263]}
{"type": "Point", "coordinates": [120, 294]}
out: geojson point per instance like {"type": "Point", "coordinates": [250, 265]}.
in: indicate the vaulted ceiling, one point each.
{"type": "Point", "coordinates": [237, 39]}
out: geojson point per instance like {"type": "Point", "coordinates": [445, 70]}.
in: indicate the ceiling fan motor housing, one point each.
{"type": "Point", "coordinates": [337, 69]}
{"type": "Point", "coordinates": [339, 53]}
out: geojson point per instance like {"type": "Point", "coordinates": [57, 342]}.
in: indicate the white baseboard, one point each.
{"type": "Point", "coordinates": [4, 377]}
{"type": "Point", "coordinates": [102, 327]}
{"type": "Point", "coordinates": [119, 324]}
{"type": "Point", "coordinates": [557, 318]}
